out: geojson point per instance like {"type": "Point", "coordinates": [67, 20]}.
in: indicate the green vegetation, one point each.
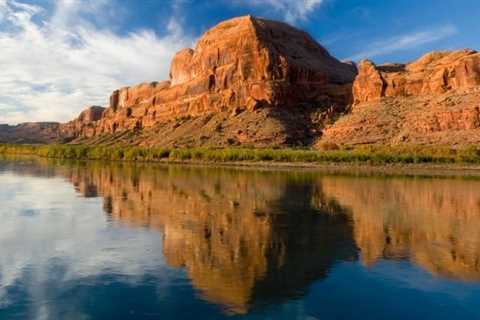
{"type": "Point", "coordinates": [364, 154]}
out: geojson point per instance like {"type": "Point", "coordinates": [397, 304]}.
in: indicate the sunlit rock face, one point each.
{"type": "Point", "coordinates": [281, 82]}
{"type": "Point", "coordinates": [250, 66]}
{"type": "Point", "coordinates": [256, 82]}
{"type": "Point", "coordinates": [434, 73]}
{"type": "Point", "coordinates": [83, 125]}
{"type": "Point", "coordinates": [434, 223]}
{"type": "Point", "coordinates": [242, 64]}
{"type": "Point", "coordinates": [433, 100]}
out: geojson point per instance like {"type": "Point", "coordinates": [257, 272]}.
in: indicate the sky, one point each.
{"type": "Point", "coordinates": [59, 56]}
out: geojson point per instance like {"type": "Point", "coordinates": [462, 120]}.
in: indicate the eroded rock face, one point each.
{"type": "Point", "coordinates": [434, 73]}
{"type": "Point", "coordinates": [84, 125]}
{"type": "Point", "coordinates": [244, 63]}
{"type": "Point", "coordinates": [451, 118]}
{"type": "Point", "coordinates": [434, 100]}
{"type": "Point", "coordinates": [257, 82]}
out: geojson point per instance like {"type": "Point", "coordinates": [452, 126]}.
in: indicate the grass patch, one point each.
{"type": "Point", "coordinates": [404, 154]}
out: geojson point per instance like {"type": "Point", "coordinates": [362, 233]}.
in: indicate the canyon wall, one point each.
{"type": "Point", "coordinates": [260, 78]}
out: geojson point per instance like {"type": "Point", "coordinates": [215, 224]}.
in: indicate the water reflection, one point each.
{"type": "Point", "coordinates": [252, 238]}
{"type": "Point", "coordinates": [432, 222]}
{"type": "Point", "coordinates": [245, 238]}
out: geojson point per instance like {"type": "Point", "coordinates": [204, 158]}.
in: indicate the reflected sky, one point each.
{"type": "Point", "coordinates": [96, 241]}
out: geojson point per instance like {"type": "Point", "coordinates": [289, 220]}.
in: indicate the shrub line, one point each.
{"type": "Point", "coordinates": [372, 154]}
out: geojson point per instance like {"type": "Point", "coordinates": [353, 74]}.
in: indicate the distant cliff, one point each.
{"type": "Point", "coordinates": [30, 132]}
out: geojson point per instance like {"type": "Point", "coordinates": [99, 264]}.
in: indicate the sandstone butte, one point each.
{"type": "Point", "coordinates": [252, 81]}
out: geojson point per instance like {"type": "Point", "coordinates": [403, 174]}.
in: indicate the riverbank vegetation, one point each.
{"type": "Point", "coordinates": [364, 154]}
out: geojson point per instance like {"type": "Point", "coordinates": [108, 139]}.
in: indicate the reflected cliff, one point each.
{"type": "Point", "coordinates": [249, 238]}
{"type": "Point", "coordinates": [432, 222]}
{"type": "Point", "coordinates": [231, 230]}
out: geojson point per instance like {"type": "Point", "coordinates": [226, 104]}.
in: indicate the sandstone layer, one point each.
{"type": "Point", "coordinates": [434, 73]}
{"type": "Point", "coordinates": [434, 100]}
{"type": "Point", "coordinates": [243, 63]}
{"type": "Point", "coordinates": [83, 125]}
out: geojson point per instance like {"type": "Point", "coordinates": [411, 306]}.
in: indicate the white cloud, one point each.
{"type": "Point", "coordinates": [72, 233]}
{"type": "Point", "coordinates": [55, 63]}
{"type": "Point", "coordinates": [292, 10]}
{"type": "Point", "coordinates": [403, 42]}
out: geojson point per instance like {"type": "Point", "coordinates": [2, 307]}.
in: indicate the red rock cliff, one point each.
{"type": "Point", "coordinates": [243, 63]}
{"type": "Point", "coordinates": [434, 73]}
{"type": "Point", "coordinates": [84, 125]}
{"type": "Point", "coordinates": [434, 100]}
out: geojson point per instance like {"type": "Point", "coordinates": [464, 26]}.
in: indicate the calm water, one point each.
{"type": "Point", "coordinates": [118, 241]}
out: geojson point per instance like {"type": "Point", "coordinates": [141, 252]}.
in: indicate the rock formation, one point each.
{"type": "Point", "coordinates": [83, 125]}
{"type": "Point", "coordinates": [434, 100]}
{"type": "Point", "coordinates": [268, 70]}
{"type": "Point", "coordinates": [252, 81]}
{"type": "Point", "coordinates": [434, 73]}
{"type": "Point", "coordinates": [243, 64]}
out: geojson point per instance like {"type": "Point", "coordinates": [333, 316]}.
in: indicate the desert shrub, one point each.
{"type": "Point", "coordinates": [374, 154]}
{"type": "Point", "coordinates": [329, 146]}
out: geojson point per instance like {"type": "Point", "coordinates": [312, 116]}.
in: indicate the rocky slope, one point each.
{"type": "Point", "coordinates": [251, 81]}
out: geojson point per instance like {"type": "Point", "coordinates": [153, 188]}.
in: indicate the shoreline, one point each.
{"type": "Point", "coordinates": [344, 167]}
{"type": "Point", "coordinates": [351, 167]}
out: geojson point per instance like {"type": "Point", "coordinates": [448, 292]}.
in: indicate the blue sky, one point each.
{"type": "Point", "coordinates": [347, 27]}
{"type": "Point", "coordinates": [59, 56]}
